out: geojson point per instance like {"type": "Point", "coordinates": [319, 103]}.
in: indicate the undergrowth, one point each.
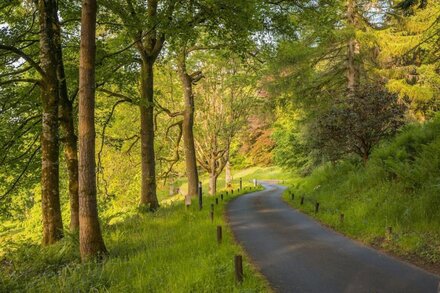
{"type": "Point", "coordinates": [399, 187]}
{"type": "Point", "coordinates": [171, 250]}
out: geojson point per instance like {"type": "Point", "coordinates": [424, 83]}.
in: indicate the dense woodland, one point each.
{"type": "Point", "coordinates": [113, 109]}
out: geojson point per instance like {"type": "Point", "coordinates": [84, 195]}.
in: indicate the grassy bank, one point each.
{"type": "Point", "coordinates": [399, 188]}
{"type": "Point", "coordinates": [172, 250]}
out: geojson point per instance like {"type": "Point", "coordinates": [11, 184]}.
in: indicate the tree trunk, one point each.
{"type": "Point", "coordinates": [365, 157]}
{"type": "Point", "coordinates": [228, 175]}
{"type": "Point", "coordinates": [353, 49]}
{"type": "Point", "coordinates": [71, 157]}
{"type": "Point", "coordinates": [188, 133]}
{"type": "Point", "coordinates": [69, 137]}
{"type": "Point", "coordinates": [213, 183]}
{"type": "Point", "coordinates": [90, 238]}
{"type": "Point", "coordinates": [50, 199]}
{"type": "Point", "coordinates": [148, 193]}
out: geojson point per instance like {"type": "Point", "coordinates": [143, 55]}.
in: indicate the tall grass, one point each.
{"type": "Point", "coordinates": [172, 250]}
{"type": "Point", "coordinates": [399, 188]}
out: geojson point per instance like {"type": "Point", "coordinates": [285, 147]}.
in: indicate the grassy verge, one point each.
{"type": "Point", "coordinates": [398, 188]}
{"type": "Point", "coordinates": [416, 243]}
{"type": "Point", "coordinates": [172, 250]}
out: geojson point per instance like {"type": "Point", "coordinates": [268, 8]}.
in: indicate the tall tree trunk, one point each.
{"type": "Point", "coordinates": [213, 183]}
{"type": "Point", "coordinates": [353, 70]}
{"type": "Point", "coordinates": [148, 193]}
{"type": "Point", "coordinates": [188, 133]}
{"type": "Point", "coordinates": [90, 238]}
{"type": "Point", "coordinates": [52, 220]}
{"type": "Point", "coordinates": [71, 157]}
{"type": "Point", "coordinates": [228, 174]}
{"type": "Point", "coordinates": [69, 137]}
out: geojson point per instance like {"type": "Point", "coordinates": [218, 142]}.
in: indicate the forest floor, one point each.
{"type": "Point", "coordinates": [172, 250]}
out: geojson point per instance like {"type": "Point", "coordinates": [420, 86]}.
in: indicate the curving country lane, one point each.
{"type": "Point", "coordinates": [296, 254]}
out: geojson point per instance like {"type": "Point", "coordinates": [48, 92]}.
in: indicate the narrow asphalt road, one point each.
{"type": "Point", "coordinates": [296, 254]}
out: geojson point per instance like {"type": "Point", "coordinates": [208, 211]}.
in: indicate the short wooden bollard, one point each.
{"type": "Point", "coordinates": [212, 207]}
{"type": "Point", "coordinates": [200, 196]}
{"type": "Point", "coordinates": [211, 214]}
{"type": "Point", "coordinates": [292, 196]}
{"type": "Point", "coordinates": [227, 193]}
{"type": "Point", "coordinates": [341, 218]}
{"type": "Point", "coordinates": [302, 200]}
{"type": "Point", "coordinates": [238, 260]}
{"type": "Point", "coordinates": [219, 234]}
{"type": "Point", "coordinates": [241, 183]}
{"type": "Point", "coordinates": [389, 233]}
{"type": "Point", "coordinates": [216, 200]}
{"type": "Point", "coordinates": [316, 207]}
{"type": "Point", "coordinates": [232, 191]}
{"type": "Point", "coordinates": [221, 196]}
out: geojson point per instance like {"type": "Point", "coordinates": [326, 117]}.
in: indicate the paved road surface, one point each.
{"type": "Point", "coordinates": [296, 254]}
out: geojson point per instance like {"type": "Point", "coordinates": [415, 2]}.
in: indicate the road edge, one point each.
{"type": "Point", "coordinates": [400, 258]}
{"type": "Point", "coordinates": [234, 238]}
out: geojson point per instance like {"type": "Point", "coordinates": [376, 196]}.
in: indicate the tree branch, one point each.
{"type": "Point", "coordinates": [29, 80]}
{"type": "Point", "coordinates": [14, 184]}
{"type": "Point", "coordinates": [24, 56]}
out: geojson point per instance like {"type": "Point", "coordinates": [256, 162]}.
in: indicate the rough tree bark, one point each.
{"type": "Point", "coordinates": [90, 238]}
{"type": "Point", "coordinates": [68, 138]}
{"type": "Point", "coordinates": [149, 46]}
{"type": "Point", "coordinates": [71, 156]}
{"type": "Point", "coordinates": [148, 193]}
{"type": "Point", "coordinates": [52, 220]}
{"type": "Point", "coordinates": [188, 126]}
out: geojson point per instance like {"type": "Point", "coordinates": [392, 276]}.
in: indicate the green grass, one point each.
{"type": "Point", "coordinates": [172, 250]}
{"type": "Point", "coordinates": [247, 175]}
{"type": "Point", "coordinates": [398, 188]}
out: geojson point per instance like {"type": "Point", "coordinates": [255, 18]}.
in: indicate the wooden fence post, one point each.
{"type": "Point", "coordinates": [302, 200]}
{"type": "Point", "coordinates": [200, 196]}
{"type": "Point", "coordinates": [241, 183]}
{"type": "Point", "coordinates": [238, 260]}
{"type": "Point", "coordinates": [341, 218]}
{"type": "Point", "coordinates": [316, 207]}
{"type": "Point", "coordinates": [211, 213]}
{"type": "Point", "coordinates": [219, 234]}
